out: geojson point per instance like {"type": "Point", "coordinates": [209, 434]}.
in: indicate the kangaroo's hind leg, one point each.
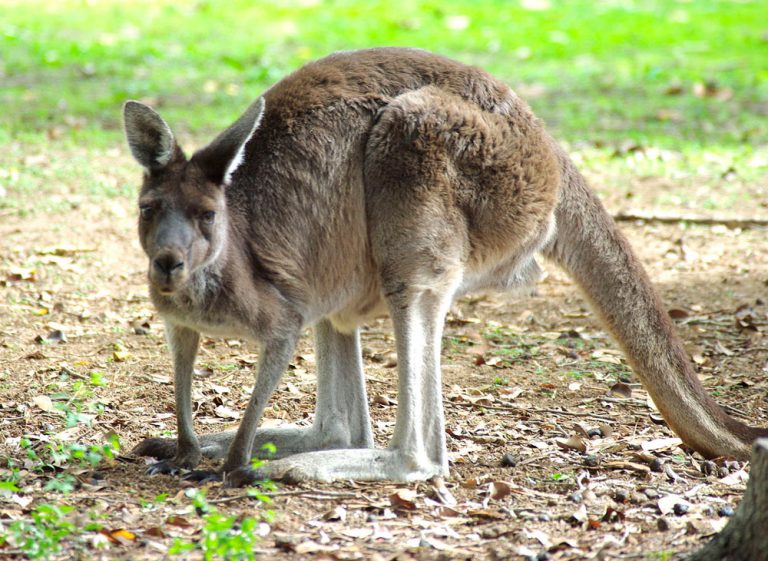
{"type": "Point", "coordinates": [419, 245]}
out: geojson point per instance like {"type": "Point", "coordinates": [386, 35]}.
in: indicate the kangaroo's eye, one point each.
{"type": "Point", "coordinates": [208, 216]}
{"type": "Point", "coordinates": [146, 212]}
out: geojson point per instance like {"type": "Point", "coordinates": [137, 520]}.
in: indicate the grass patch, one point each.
{"type": "Point", "coordinates": [687, 77]}
{"type": "Point", "coordinates": [70, 65]}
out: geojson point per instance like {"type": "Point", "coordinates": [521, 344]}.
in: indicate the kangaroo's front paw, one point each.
{"type": "Point", "coordinates": [163, 467]}
{"type": "Point", "coordinates": [160, 448]}
{"type": "Point", "coordinates": [188, 460]}
{"type": "Point", "coordinates": [202, 476]}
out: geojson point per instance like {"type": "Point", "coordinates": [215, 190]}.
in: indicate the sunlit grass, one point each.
{"type": "Point", "coordinates": [673, 75]}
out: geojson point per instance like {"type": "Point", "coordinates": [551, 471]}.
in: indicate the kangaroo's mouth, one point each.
{"type": "Point", "coordinates": [167, 284]}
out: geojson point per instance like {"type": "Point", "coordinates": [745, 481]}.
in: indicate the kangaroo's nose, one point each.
{"type": "Point", "coordinates": [168, 263]}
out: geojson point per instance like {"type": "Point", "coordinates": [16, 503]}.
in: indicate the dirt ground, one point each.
{"type": "Point", "coordinates": [550, 457]}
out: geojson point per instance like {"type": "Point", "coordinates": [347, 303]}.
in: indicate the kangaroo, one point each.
{"type": "Point", "coordinates": [371, 181]}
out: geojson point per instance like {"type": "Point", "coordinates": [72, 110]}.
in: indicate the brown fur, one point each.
{"type": "Point", "coordinates": [388, 178]}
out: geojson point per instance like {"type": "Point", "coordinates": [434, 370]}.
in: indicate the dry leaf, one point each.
{"type": "Point", "coordinates": [225, 412]}
{"type": "Point", "coordinates": [203, 372]}
{"type": "Point", "coordinates": [338, 514]}
{"type": "Point", "coordinates": [155, 532]}
{"type": "Point", "coordinates": [736, 478]}
{"type": "Point", "coordinates": [573, 443]}
{"type": "Point", "coordinates": [179, 521]}
{"type": "Point", "coordinates": [44, 403]}
{"type": "Point", "coordinates": [607, 355]}
{"type": "Point", "coordinates": [632, 466]}
{"type": "Point", "coordinates": [442, 492]}
{"type": "Point", "coordinates": [121, 356]}
{"type": "Point", "coordinates": [121, 536]}
{"type": "Point", "coordinates": [498, 490]}
{"type": "Point", "coordinates": [485, 513]}
{"type": "Point", "coordinates": [722, 349]}
{"type": "Point", "coordinates": [404, 498]}
{"type": "Point", "coordinates": [310, 546]}
{"type": "Point", "coordinates": [677, 313]}
{"type": "Point", "coordinates": [17, 274]}
{"type": "Point", "coordinates": [444, 512]}
{"type": "Point", "coordinates": [65, 251]}
{"type": "Point", "coordinates": [580, 515]}
{"type": "Point", "coordinates": [158, 378]}
{"type": "Point", "coordinates": [357, 533]}
{"type": "Point", "coordinates": [660, 444]}
{"type": "Point", "coordinates": [384, 400]}
{"type": "Point", "coordinates": [54, 337]}
{"type": "Point", "coordinates": [606, 429]}
{"type": "Point", "coordinates": [622, 389]}
{"type": "Point", "coordinates": [667, 503]}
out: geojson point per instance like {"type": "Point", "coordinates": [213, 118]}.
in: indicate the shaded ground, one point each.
{"type": "Point", "coordinates": [532, 379]}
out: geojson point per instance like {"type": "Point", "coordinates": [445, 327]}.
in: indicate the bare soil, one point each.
{"type": "Point", "coordinates": [591, 471]}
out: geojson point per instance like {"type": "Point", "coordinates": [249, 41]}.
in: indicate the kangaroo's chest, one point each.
{"type": "Point", "coordinates": [213, 319]}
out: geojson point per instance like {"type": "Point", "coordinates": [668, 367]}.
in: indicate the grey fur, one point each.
{"type": "Point", "coordinates": [371, 181]}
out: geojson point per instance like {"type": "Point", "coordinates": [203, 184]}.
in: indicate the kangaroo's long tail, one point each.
{"type": "Point", "coordinates": [589, 246]}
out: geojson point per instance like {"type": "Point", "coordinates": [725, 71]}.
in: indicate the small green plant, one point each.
{"type": "Point", "coordinates": [59, 456]}
{"type": "Point", "coordinates": [231, 538]}
{"type": "Point", "coordinates": [61, 483]}
{"type": "Point", "coordinates": [153, 503]}
{"type": "Point", "coordinates": [10, 485]}
{"type": "Point", "coordinates": [561, 476]}
{"type": "Point", "coordinates": [500, 381]}
{"type": "Point", "coordinates": [40, 536]}
{"type": "Point", "coordinates": [97, 379]}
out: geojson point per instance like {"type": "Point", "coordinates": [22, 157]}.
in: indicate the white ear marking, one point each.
{"type": "Point", "coordinates": [239, 156]}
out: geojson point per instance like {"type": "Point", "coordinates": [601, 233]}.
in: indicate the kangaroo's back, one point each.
{"type": "Point", "coordinates": [300, 189]}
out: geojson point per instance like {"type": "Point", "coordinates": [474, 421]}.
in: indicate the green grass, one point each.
{"type": "Point", "coordinates": [601, 73]}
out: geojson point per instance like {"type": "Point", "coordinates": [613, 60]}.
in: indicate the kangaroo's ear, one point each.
{"type": "Point", "coordinates": [149, 136]}
{"type": "Point", "coordinates": [225, 154]}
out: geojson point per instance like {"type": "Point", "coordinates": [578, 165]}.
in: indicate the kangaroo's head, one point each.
{"type": "Point", "coordinates": [182, 205]}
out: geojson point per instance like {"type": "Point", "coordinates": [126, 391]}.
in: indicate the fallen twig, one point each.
{"type": "Point", "coordinates": [531, 409]}
{"type": "Point", "coordinates": [674, 218]}
{"type": "Point", "coordinates": [317, 495]}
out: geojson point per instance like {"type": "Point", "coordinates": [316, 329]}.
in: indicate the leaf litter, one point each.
{"type": "Point", "coordinates": [554, 448]}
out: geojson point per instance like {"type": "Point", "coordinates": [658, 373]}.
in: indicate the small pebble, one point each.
{"type": "Point", "coordinates": [593, 433]}
{"type": "Point", "coordinates": [725, 510]}
{"type": "Point", "coordinates": [543, 556]}
{"type": "Point", "coordinates": [620, 496]}
{"type": "Point", "coordinates": [576, 497]}
{"type": "Point", "coordinates": [591, 461]}
{"type": "Point", "coordinates": [679, 509]}
{"type": "Point", "coordinates": [662, 524]}
{"type": "Point", "coordinates": [722, 471]}
{"type": "Point", "coordinates": [651, 493]}
{"type": "Point", "coordinates": [708, 467]}
{"type": "Point", "coordinates": [508, 460]}
{"type": "Point", "coordinates": [636, 498]}
{"type": "Point", "coordinates": [657, 465]}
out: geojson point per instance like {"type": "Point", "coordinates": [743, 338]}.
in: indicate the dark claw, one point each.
{"type": "Point", "coordinates": [201, 476]}
{"type": "Point", "coordinates": [164, 467]}
{"type": "Point", "coordinates": [160, 448]}
{"type": "Point", "coordinates": [243, 477]}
